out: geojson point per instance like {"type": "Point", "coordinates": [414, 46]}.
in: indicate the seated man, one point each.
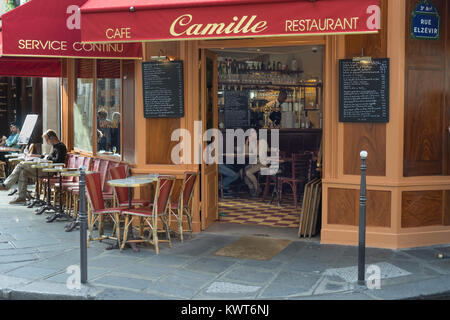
{"type": "Point", "coordinates": [23, 172]}
{"type": "Point", "coordinates": [229, 176]}
{"type": "Point", "coordinates": [11, 141]}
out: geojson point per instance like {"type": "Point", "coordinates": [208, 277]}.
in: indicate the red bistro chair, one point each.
{"type": "Point", "coordinates": [97, 210]}
{"type": "Point", "coordinates": [121, 194]}
{"type": "Point", "coordinates": [149, 216]}
{"type": "Point", "coordinates": [184, 204]}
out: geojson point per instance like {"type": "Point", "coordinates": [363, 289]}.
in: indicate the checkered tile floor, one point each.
{"type": "Point", "coordinates": [258, 212]}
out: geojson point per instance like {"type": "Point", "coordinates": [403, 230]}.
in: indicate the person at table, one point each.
{"type": "Point", "coordinates": [23, 172]}
{"type": "Point", "coordinates": [229, 176]}
{"type": "Point", "coordinates": [104, 125]}
{"type": "Point", "coordinates": [254, 147]}
{"type": "Point", "coordinates": [115, 132]}
{"type": "Point", "coordinates": [11, 141]}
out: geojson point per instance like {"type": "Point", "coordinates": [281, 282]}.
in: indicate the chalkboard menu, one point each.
{"type": "Point", "coordinates": [364, 91]}
{"type": "Point", "coordinates": [236, 109]}
{"type": "Point", "coordinates": [163, 89]}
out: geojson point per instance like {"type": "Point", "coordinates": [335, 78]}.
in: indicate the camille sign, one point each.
{"type": "Point", "coordinates": [119, 21]}
{"type": "Point", "coordinates": [425, 21]}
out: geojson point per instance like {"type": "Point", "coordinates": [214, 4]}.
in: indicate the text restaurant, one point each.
{"type": "Point", "coordinates": [269, 103]}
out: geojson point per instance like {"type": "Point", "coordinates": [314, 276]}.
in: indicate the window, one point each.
{"type": "Point", "coordinates": [84, 105]}
{"type": "Point", "coordinates": [108, 113]}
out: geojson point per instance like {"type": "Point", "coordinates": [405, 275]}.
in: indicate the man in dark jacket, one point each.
{"type": "Point", "coordinates": [23, 172]}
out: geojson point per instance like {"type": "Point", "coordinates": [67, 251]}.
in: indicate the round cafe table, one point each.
{"type": "Point", "coordinates": [57, 168]}
{"type": "Point", "coordinates": [130, 183]}
{"type": "Point", "coordinates": [36, 164]}
{"type": "Point", "coordinates": [73, 173]}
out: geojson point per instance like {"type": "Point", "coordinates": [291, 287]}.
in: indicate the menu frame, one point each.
{"type": "Point", "coordinates": [233, 125]}
{"type": "Point", "coordinates": [384, 94]}
{"type": "Point", "coordinates": [178, 111]}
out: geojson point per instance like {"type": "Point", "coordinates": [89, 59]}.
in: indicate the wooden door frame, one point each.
{"type": "Point", "coordinates": [206, 219]}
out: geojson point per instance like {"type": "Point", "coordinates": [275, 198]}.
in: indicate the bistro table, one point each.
{"type": "Point", "coordinates": [37, 164]}
{"type": "Point", "coordinates": [130, 183]}
{"type": "Point", "coordinates": [54, 168]}
{"type": "Point", "coordinates": [75, 173]}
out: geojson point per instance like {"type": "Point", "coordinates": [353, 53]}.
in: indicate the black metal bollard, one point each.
{"type": "Point", "coordinates": [362, 222]}
{"type": "Point", "coordinates": [82, 216]}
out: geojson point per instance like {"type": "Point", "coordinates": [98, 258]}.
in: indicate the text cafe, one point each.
{"type": "Point", "coordinates": [319, 81]}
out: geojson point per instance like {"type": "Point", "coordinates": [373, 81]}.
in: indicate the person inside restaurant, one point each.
{"type": "Point", "coordinates": [229, 176]}
{"type": "Point", "coordinates": [275, 107]}
{"type": "Point", "coordinates": [254, 147]}
{"type": "Point", "coordinates": [23, 172]}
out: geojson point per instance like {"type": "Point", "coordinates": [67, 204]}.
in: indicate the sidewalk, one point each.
{"type": "Point", "coordinates": [34, 256]}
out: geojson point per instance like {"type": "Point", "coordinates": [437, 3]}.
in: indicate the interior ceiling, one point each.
{"type": "Point", "coordinates": [270, 50]}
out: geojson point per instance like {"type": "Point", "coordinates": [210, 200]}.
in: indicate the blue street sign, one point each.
{"type": "Point", "coordinates": [425, 21]}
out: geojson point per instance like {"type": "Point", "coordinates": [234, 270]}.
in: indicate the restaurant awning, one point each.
{"type": "Point", "coordinates": [28, 67]}
{"type": "Point", "coordinates": [147, 20]}
{"type": "Point", "coordinates": [52, 28]}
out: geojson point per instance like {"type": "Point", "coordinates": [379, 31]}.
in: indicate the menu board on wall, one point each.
{"type": "Point", "coordinates": [236, 109]}
{"type": "Point", "coordinates": [163, 89]}
{"type": "Point", "coordinates": [364, 91]}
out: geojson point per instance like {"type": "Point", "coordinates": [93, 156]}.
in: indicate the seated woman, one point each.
{"type": "Point", "coordinates": [254, 147]}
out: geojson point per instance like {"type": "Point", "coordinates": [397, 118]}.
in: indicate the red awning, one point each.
{"type": "Point", "coordinates": [28, 67]}
{"type": "Point", "coordinates": [52, 28]}
{"type": "Point", "coordinates": [147, 20]}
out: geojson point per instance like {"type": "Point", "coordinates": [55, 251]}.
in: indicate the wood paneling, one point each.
{"type": "Point", "coordinates": [423, 123]}
{"type": "Point", "coordinates": [422, 208]}
{"type": "Point", "coordinates": [446, 219]}
{"type": "Point", "coordinates": [426, 114]}
{"type": "Point", "coordinates": [378, 208]}
{"type": "Point", "coordinates": [366, 136]}
{"type": "Point", "coordinates": [447, 96]}
{"type": "Point", "coordinates": [159, 131]}
{"type": "Point", "coordinates": [128, 112]}
{"type": "Point", "coordinates": [342, 206]}
{"type": "Point", "coordinates": [159, 144]}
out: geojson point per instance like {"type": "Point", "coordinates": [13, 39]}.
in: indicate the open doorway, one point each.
{"type": "Point", "coordinates": [270, 88]}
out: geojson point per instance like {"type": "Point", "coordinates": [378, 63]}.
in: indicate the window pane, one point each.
{"type": "Point", "coordinates": [84, 106]}
{"type": "Point", "coordinates": [108, 107]}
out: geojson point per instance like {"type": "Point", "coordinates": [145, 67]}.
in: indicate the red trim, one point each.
{"type": "Point", "coordinates": [30, 67]}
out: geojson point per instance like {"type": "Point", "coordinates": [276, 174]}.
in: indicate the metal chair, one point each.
{"type": "Point", "coordinates": [98, 212]}
{"type": "Point", "coordinates": [184, 204]}
{"type": "Point", "coordinates": [149, 216]}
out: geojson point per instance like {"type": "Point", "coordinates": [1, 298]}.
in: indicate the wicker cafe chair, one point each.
{"type": "Point", "coordinates": [184, 204]}
{"type": "Point", "coordinates": [149, 216]}
{"type": "Point", "coordinates": [98, 212]}
{"type": "Point", "coordinates": [2, 170]}
{"type": "Point", "coordinates": [121, 194]}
